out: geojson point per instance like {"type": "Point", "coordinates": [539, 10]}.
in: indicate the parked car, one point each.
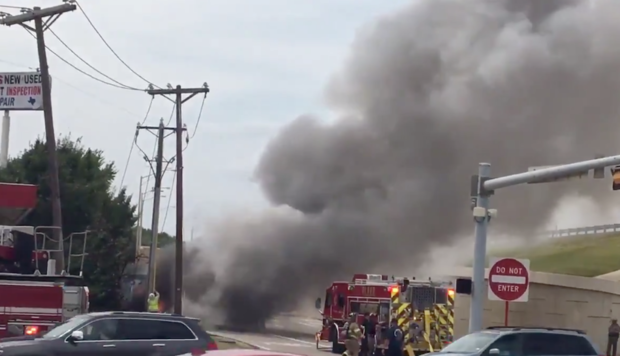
{"type": "Point", "coordinates": [510, 341]}
{"type": "Point", "coordinates": [117, 334]}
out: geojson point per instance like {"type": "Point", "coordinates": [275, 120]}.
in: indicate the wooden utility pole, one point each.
{"type": "Point", "coordinates": [178, 261]}
{"type": "Point", "coordinates": [158, 173]}
{"type": "Point", "coordinates": [37, 15]}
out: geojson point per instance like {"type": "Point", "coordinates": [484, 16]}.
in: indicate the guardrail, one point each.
{"type": "Point", "coordinates": [586, 230]}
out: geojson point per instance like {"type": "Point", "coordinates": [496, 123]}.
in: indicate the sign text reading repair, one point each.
{"type": "Point", "coordinates": [21, 91]}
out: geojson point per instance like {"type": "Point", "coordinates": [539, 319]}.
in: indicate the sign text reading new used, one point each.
{"type": "Point", "coordinates": [21, 91]}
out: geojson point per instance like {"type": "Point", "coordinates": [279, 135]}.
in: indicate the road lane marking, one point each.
{"type": "Point", "coordinates": [293, 339]}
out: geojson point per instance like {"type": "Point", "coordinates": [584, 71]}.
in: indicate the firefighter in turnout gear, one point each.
{"type": "Point", "coordinates": [353, 334]}
{"type": "Point", "coordinates": [153, 302]}
{"type": "Point", "coordinates": [394, 340]}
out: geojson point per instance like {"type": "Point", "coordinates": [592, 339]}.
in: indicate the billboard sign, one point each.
{"type": "Point", "coordinates": [21, 91]}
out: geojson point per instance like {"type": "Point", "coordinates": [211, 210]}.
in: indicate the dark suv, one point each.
{"type": "Point", "coordinates": [522, 341]}
{"type": "Point", "coordinates": [117, 334]}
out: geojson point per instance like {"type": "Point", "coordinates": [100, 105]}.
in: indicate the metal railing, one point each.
{"type": "Point", "coordinates": [585, 230]}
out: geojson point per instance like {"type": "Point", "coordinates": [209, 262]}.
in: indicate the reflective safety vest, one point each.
{"type": "Point", "coordinates": [154, 304]}
{"type": "Point", "coordinates": [353, 331]}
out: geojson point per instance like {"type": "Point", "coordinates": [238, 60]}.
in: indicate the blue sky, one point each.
{"type": "Point", "coordinates": [266, 62]}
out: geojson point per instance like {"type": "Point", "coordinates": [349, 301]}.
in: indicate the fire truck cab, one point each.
{"type": "Point", "coordinates": [34, 297]}
{"type": "Point", "coordinates": [365, 293]}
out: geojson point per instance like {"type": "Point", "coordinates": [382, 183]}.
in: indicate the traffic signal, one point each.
{"type": "Point", "coordinates": [615, 176]}
{"type": "Point", "coordinates": [464, 285]}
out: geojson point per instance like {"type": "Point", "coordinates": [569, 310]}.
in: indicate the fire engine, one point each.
{"type": "Point", "coordinates": [34, 297]}
{"type": "Point", "coordinates": [424, 309]}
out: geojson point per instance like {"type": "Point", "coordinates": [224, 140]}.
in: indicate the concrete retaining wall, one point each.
{"type": "Point", "coordinates": [555, 300]}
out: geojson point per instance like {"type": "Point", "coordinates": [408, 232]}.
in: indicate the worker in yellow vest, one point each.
{"type": "Point", "coordinates": [153, 302]}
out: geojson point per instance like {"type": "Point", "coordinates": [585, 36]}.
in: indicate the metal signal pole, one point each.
{"type": "Point", "coordinates": [178, 263]}
{"type": "Point", "coordinates": [37, 15]}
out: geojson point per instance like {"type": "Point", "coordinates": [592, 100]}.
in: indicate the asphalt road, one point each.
{"type": "Point", "coordinates": [286, 333]}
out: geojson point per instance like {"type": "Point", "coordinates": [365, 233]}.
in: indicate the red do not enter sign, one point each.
{"type": "Point", "coordinates": [509, 279]}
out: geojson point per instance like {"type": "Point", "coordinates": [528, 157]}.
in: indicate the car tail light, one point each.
{"type": "Point", "coordinates": [212, 346]}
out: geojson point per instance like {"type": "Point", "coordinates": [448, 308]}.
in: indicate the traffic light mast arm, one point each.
{"type": "Point", "coordinates": [549, 173]}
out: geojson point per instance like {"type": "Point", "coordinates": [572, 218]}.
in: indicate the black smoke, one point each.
{"type": "Point", "coordinates": [426, 93]}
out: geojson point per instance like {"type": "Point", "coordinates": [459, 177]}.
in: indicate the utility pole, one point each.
{"type": "Point", "coordinates": [158, 173]}
{"type": "Point", "coordinates": [141, 197]}
{"type": "Point", "coordinates": [37, 15]}
{"type": "Point", "coordinates": [178, 261]}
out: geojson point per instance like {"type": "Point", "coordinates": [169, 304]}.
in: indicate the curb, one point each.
{"type": "Point", "coordinates": [236, 340]}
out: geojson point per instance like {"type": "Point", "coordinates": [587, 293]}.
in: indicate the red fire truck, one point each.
{"type": "Point", "coordinates": [427, 303]}
{"type": "Point", "coordinates": [366, 293]}
{"type": "Point", "coordinates": [33, 297]}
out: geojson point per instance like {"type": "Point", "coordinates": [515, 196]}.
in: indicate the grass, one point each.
{"type": "Point", "coordinates": [586, 256]}
{"type": "Point", "coordinates": [224, 343]}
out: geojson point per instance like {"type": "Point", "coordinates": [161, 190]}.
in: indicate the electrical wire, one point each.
{"type": "Point", "coordinates": [189, 137]}
{"type": "Point", "coordinates": [151, 171]}
{"type": "Point", "coordinates": [88, 64]}
{"type": "Point", "coordinates": [133, 144]}
{"type": "Point", "coordinates": [81, 71]}
{"type": "Point", "coordinates": [110, 47]}
{"type": "Point", "coordinates": [202, 105]}
{"type": "Point", "coordinates": [13, 7]}
{"type": "Point", "coordinates": [174, 177]}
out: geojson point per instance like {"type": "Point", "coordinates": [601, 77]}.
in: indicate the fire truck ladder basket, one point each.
{"type": "Point", "coordinates": [41, 244]}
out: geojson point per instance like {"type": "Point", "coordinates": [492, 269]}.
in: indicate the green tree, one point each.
{"type": "Point", "coordinates": [89, 202]}
{"type": "Point", "coordinates": [163, 238]}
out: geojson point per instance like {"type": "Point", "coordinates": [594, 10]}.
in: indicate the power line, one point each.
{"type": "Point", "coordinates": [188, 138]}
{"type": "Point", "coordinates": [202, 105]}
{"type": "Point", "coordinates": [88, 64]}
{"type": "Point", "coordinates": [174, 177]}
{"type": "Point", "coordinates": [148, 178]}
{"type": "Point", "coordinates": [83, 72]}
{"type": "Point", "coordinates": [110, 47]}
{"type": "Point", "coordinates": [13, 7]}
{"type": "Point", "coordinates": [133, 144]}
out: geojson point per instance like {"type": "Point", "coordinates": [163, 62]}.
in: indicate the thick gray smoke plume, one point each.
{"type": "Point", "coordinates": [426, 93]}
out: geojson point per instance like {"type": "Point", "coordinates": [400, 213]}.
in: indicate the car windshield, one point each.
{"type": "Point", "coordinates": [63, 328]}
{"type": "Point", "coordinates": [471, 343]}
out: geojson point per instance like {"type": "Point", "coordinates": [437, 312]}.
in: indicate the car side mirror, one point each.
{"type": "Point", "coordinates": [494, 352]}
{"type": "Point", "coordinates": [317, 303]}
{"type": "Point", "coordinates": [77, 335]}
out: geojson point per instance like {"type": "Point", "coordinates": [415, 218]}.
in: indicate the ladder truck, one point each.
{"type": "Point", "coordinates": [34, 297]}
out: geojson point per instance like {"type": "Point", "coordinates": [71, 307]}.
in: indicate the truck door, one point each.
{"type": "Point", "coordinates": [73, 301]}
